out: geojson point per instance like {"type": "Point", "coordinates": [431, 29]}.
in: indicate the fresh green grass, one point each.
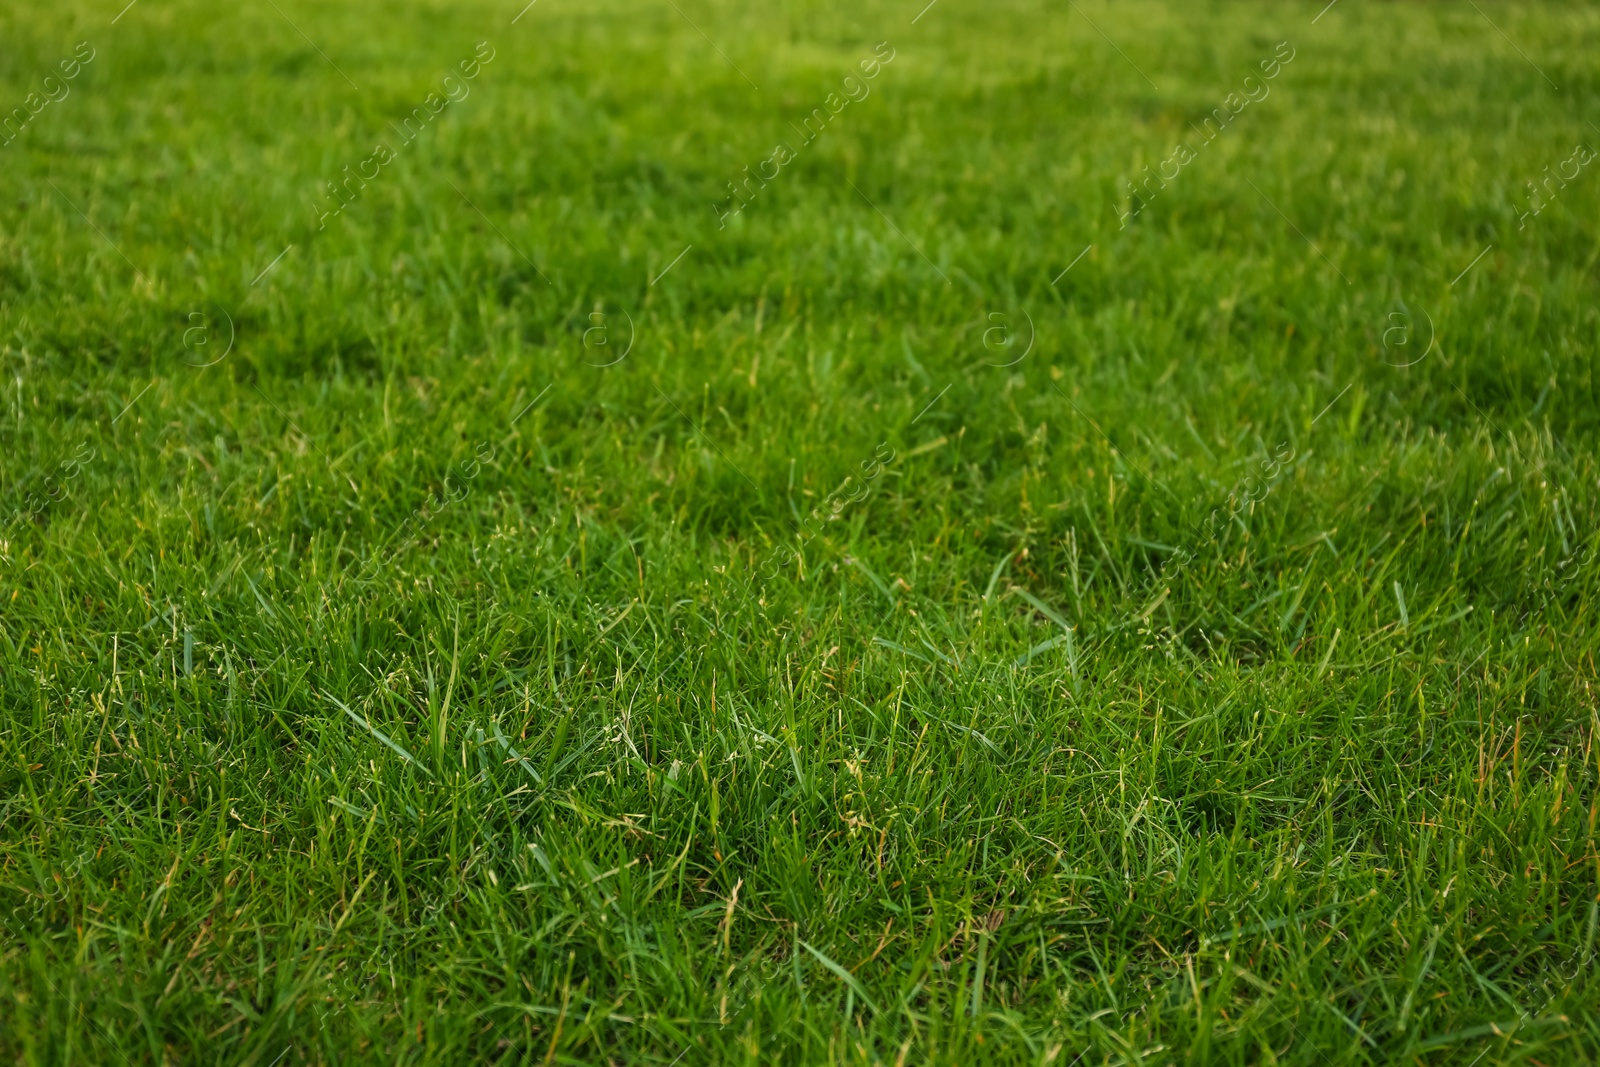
{"type": "Point", "coordinates": [1205, 686]}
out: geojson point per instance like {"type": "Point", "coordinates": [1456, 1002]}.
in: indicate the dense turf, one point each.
{"type": "Point", "coordinates": [980, 603]}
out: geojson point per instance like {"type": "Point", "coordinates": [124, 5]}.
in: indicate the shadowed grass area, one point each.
{"type": "Point", "coordinates": [1005, 593]}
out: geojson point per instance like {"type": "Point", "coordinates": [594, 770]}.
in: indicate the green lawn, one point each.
{"type": "Point", "coordinates": [677, 533]}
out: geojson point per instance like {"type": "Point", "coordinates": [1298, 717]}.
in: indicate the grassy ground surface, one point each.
{"type": "Point", "coordinates": [1183, 647]}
